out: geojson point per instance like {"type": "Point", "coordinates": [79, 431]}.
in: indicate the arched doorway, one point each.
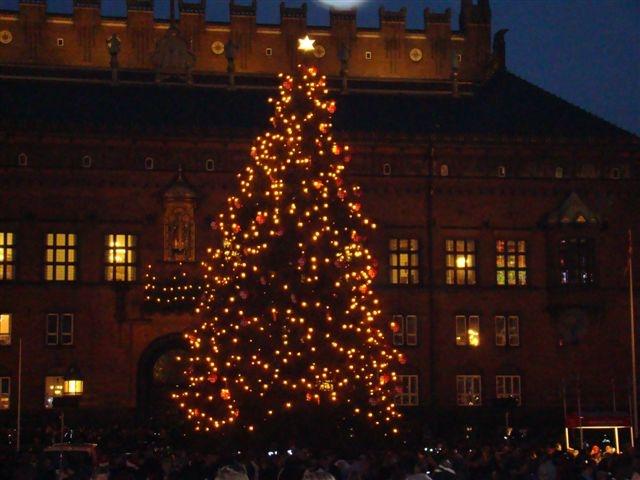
{"type": "Point", "coordinates": [159, 374]}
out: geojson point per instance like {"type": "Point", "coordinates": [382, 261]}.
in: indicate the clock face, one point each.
{"type": "Point", "coordinates": [6, 37]}
{"type": "Point", "coordinates": [415, 54]}
{"type": "Point", "coordinates": [319, 51]}
{"type": "Point", "coordinates": [217, 47]}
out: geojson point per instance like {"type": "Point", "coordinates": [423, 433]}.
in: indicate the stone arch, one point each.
{"type": "Point", "coordinates": [147, 389]}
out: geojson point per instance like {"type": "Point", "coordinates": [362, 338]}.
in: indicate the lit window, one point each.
{"type": "Point", "coordinates": [511, 262]}
{"type": "Point", "coordinates": [60, 257]}
{"type": "Point", "coordinates": [405, 330]}
{"type": "Point", "coordinates": [461, 262]}
{"type": "Point", "coordinates": [468, 330]}
{"type": "Point", "coordinates": [120, 258]}
{"type": "Point", "coordinates": [403, 261]}
{"type": "Point", "coordinates": [73, 387]}
{"type": "Point", "coordinates": [53, 387]}
{"type": "Point", "coordinates": [7, 256]}
{"type": "Point", "coordinates": [59, 329]}
{"type": "Point", "coordinates": [5, 393]}
{"type": "Point", "coordinates": [508, 386]}
{"type": "Point", "coordinates": [409, 395]}
{"type": "Point", "coordinates": [5, 329]}
{"type": "Point", "coordinates": [577, 261]}
{"type": "Point", "coordinates": [469, 389]}
{"type": "Point", "coordinates": [507, 331]}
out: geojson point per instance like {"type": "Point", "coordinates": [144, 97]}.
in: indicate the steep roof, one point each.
{"type": "Point", "coordinates": [504, 105]}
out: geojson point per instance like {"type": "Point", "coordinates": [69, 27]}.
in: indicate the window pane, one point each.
{"type": "Point", "coordinates": [60, 239]}
{"type": "Point", "coordinates": [60, 255]}
{"type": "Point", "coordinates": [448, 245]}
{"type": "Point", "coordinates": [393, 244]}
{"type": "Point", "coordinates": [500, 280]}
{"type": "Point", "coordinates": [471, 277]}
{"type": "Point", "coordinates": [450, 277]}
{"type": "Point", "coordinates": [522, 278]}
{"type": "Point", "coordinates": [414, 244]}
{"type": "Point", "coordinates": [50, 241]}
{"type": "Point", "coordinates": [451, 261]}
{"type": "Point", "coordinates": [414, 276]}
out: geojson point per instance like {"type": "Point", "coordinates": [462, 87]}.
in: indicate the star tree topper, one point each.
{"type": "Point", "coordinates": [306, 44]}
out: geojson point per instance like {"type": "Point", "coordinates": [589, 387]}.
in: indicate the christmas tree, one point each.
{"type": "Point", "coordinates": [291, 317]}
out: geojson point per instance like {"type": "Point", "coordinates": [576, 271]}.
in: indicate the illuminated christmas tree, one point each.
{"type": "Point", "coordinates": [291, 318]}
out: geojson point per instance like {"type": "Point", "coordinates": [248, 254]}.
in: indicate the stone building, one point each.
{"type": "Point", "coordinates": [504, 210]}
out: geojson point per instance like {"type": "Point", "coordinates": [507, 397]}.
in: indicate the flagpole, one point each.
{"type": "Point", "coordinates": [19, 419]}
{"type": "Point", "coordinates": [634, 377]}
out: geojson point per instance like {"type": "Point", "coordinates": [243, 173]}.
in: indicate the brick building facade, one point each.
{"type": "Point", "coordinates": [504, 210]}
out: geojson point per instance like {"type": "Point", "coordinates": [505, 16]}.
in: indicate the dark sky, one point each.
{"type": "Point", "coordinates": [585, 51]}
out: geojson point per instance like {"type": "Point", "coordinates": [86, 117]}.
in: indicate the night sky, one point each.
{"type": "Point", "coordinates": [585, 51]}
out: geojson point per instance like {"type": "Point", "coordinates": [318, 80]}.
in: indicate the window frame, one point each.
{"type": "Point", "coordinates": [56, 338]}
{"type": "Point", "coordinates": [504, 394]}
{"type": "Point", "coordinates": [111, 264]}
{"type": "Point", "coordinates": [573, 267]}
{"type": "Point", "coordinates": [503, 335]}
{"type": "Point", "coordinates": [5, 380]}
{"type": "Point", "coordinates": [463, 335]}
{"type": "Point", "coordinates": [452, 253]}
{"type": "Point", "coordinates": [69, 267]}
{"type": "Point", "coordinates": [462, 396]}
{"type": "Point", "coordinates": [410, 397]}
{"type": "Point", "coordinates": [403, 337]}
{"type": "Point", "coordinates": [8, 249]}
{"type": "Point", "coordinates": [517, 269]}
{"type": "Point", "coordinates": [6, 338]}
{"type": "Point", "coordinates": [413, 276]}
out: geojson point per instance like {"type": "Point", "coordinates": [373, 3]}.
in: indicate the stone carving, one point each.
{"type": "Point", "coordinates": [172, 57]}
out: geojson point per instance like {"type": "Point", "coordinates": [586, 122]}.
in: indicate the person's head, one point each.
{"type": "Point", "coordinates": [235, 472]}
{"type": "Point", "coordinates": [318, 474]}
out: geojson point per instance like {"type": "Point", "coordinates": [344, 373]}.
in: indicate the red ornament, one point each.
{"type": "Point", "coordinates": [237, 203]}
{"type": "Point", "coordinates": [363, 289]}
{"type": "Point", "coordinates": [372, 272]}
{"type": "Point", "coordinates": [213, 378]}
{"type": "Point", "coordinates": [356, 207]}
{"type": "Point", "coordinates": [385, 379]}
{"type": "Point", "coordinates": [395, 327]}
{"type": "Point", "coordinates": [225, 394]}
{"type": "Point", "coordinates": [339, 181]}
{"type": "Point", "coordinates": [280, 232]}
{"type": "Point", "coordinates": [374, 401]}
{"type": "Point", "coordinates": [402, 359]}
{"type": "Point", "coordinates": [260, 219]}
{"type": "Point", "coordinates": [263, 281]}
{"type": "Point", "coordinates": [236, 228]}
{"type": "Point", "coordinates": [342, 194]}
{"type": "Point", "coordinates": [287, 85]}
{"type": "Point", "coordinates": [323, 127]}
{"type": "Point", "coordinates": [301, 261]}
{"type": "Point", "coordinates": [308, 397]}
{"type": "Point", "coordinates": [245, 322]}
{"type": "Point", "coordinates": [336, 150]}
{"type": "Point", "coordinates": [213, 225]}
{"type": "Point", "coordinates": [313, 71]}
{"type": "Point", "coordinates": [331, 108]}
{"type": "Point", "coordinates": [398, 389]}
{"type": "Point", "coordinates": [244, 294]}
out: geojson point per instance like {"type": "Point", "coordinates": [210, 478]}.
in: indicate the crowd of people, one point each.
{"type": "Point", "coordinates": [142, 454]}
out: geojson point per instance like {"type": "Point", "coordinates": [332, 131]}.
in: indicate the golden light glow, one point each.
{"type": "Point", "coordinates": [474, 337]}
{"type": "Point", "coordinates": [289, 313]}
{"type": "Point", "coordinates": [73, 387]}
{"type": "Point", "coordinates": [306, 44]}
{"type": "Point", "coordinates": [461, 261]}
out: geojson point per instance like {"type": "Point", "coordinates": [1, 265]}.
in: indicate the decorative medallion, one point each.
{"type": "Point", "coordinates": [319, 51]}
{"type": "Point", "coordinates": [6, 37]}
{"type": "Point", "coordinates": [217, 47]}
{"type": "Point", "coordinates": [415, 54]}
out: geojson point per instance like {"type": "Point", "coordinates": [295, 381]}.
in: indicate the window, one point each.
{"type": "Point", "coordinates": [511, 262]}
{"type": "Point", "coordinates": [5, 393]}
{"type": "Point", "coordinates": [60, 257]}
{"type": "Point", "coordinates": [469, 389]}
{"type": "Point", "coordinates": [403, 261]}
{"type": "Point", "coordinates": [444, 170]}
{"type": "Point", "coordinates": [559, 173]}
{"type": "Point", "coordinates": [468, 330]}
{"type": "Point", "coordinates": [209, 165]}
{"type": "Point", "coordinates": [409, 395]}
{"type": "Point", "coordinates": [405, 330]}
{"type": "Point", "coordinates": [577, 261]}
{"type": "Point", "coordinates": [7, 256]}
{"type": "Point", "coordinates": [508, 386]}
{"type": "Point", "coordinates": [53, 387]}
{"type": "Point", "coordinates": [386, 169]}
{"type": "Point", "coordinates": [59, 329]}
{"type": "Point", "coordinates": [461, 262]}
{"type": "Point", "coordinates": [5, 329]}
{"type": "Point", "coordinates": [507, 331]}
{"type": "Point", "coordinates": [148, 163]}
{"type": "Point", "coordinates": [120, 258]}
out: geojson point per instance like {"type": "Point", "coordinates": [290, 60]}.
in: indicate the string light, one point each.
{"type": "Point", "coordinates": [290, 314]}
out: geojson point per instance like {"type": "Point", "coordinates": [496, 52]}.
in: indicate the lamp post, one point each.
{"type": "Point", "coordinates": [73, 388]}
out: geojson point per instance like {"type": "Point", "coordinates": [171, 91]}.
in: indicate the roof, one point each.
{"type": "Point", "coordinates": [504, 105]}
